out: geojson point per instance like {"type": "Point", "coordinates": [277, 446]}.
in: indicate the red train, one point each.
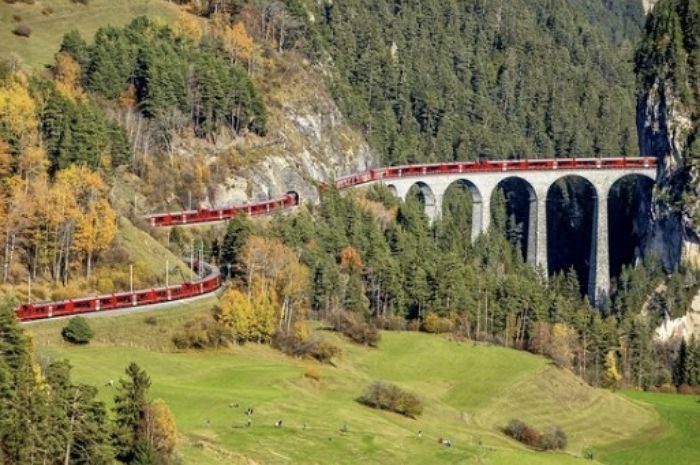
{"type": "Point", "coordinates": [42, 310]}
{"type": "Point", "coordinates": [480, 166]}
{"type": "Point", "coordinates": [204, 215]}
{"type": "Point", "coordinates": [213, 280]}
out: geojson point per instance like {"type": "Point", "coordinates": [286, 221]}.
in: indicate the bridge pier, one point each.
{"type": "Point", "coordinates": [537, 229]}
{"type": "Point", "coordinates": [599, 264]}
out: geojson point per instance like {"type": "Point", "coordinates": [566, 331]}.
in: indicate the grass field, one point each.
{"type": "Point", "coordinates": [48, 29]}
{"type": "Point", "coordinates": [679, 445]}
{"type": "Point", "coordinates": [469, 390]}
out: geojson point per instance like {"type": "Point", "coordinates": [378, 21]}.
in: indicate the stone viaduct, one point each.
{"type": "Point", "coordinates": [482, 178]}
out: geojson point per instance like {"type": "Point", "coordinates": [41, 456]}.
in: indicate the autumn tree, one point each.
{"type": "Point", "coordinates": [189, 26]}
{"type": "Point", "coordinates": [161, 431]}
{"type": "Point", "coordinates": [66, 73]}
{"type": "Point", "coordinates": [238, 43]}
{"type": "Point", "coordinates": [612, 375]}
{"type": "Point", "coordinates": [273, 267]}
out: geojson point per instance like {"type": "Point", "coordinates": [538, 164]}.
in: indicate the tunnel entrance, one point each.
{"type": "Point", "coordinates": [629, 215]}
{"type": "Point", "coordinates": [571, 204]}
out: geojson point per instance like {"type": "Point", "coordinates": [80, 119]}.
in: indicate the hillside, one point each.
{"type": "Point", "coordinates": [49, 20]}
{"type": "Point", "coordinates": [469, 390]}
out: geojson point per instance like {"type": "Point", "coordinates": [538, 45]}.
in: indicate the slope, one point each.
{"type": "Point", "coordinates": [49, 20]}
{"type": "Point", "coordinates": [462, 385]}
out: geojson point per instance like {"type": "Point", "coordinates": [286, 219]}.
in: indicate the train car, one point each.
{"type": "Point", "coordinates": [43, 310]}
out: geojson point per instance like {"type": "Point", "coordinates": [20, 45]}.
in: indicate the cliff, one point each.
{"type": "Point", "coordinates": [667, 121]}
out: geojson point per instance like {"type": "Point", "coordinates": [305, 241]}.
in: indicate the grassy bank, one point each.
{"type": "Point", "coordinates": [470, 391]}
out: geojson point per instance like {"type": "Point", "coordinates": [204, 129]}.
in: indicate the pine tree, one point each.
{"type": "Point", "coordinates": [238, 230]}
{"type": "Point", "coordinates": [682, 365]}
{"type": "Point", "coordinates": [130, 405]}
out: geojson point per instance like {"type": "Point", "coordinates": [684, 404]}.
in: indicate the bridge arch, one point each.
{"type": "Point", "coordinates": [572, 207]}
{"type": "Point", "coordinates": [629, 215]}
{"type": "Point", "coordinates": [521, 213]}
{"type": "Point", "coordinates": [471, 191]}
{"type": "Point", "coordinates": [394, 191]}
{"type": "Point", "coordinates": [427, 197]}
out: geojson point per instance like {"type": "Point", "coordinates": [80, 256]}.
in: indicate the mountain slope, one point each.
{"type": "Point", "coordinates": [469, 391]}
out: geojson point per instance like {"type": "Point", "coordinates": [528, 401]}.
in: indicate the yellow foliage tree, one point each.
{"type": "Point", "coordinates": [66, 73]}
{"type": "Point", "coordinates": [187, 25]}
{"type": "Point", "coordinates": [18, 111]}
{"type": "Point", "coordinates": [236, 311]}
{"type": "Point", "coordinates": [273, 267]}
{"type": "Point", "coordinates": [612, 375]}
{"type": "Point", "coordinates": [161, 430]}
{"type": "Point", "coordinates": [238, 42]}
{"type": "Point", "coordinates": [82, 196]}
{"type": "Point", "coordinates": [5, 160]}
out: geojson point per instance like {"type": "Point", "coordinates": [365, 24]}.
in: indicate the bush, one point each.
{"type": "Point", "coordinates": [354, 327]}
{"type": "Point", "coordinates": [22, 30]}
{"type": "Point", "coordinates": [437, 325]}
{"type": "Point", "coordinates": [312, 372]}
{"type": "Point", "coordinates": [391, 397]}
{"type": "Point", "coordinates": [552, 439]}
{"type": "Point", "coordinates": [390, 323]}
{"type": "Point", "coordinates": [688, 390]}
{"type": "Point", "coordinates": [667, 388]}
{"type": "Point", "coordinates": [313, 347]}
{"type": "Point", "coordinates": [77, 331]}
{"type": "Point", "coordinates": [203, 333]}
{"type": "Point", "coordinates": [151, 320]}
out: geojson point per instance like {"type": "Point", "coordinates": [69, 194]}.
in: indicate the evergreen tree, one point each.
{"type": "Point", "coordinates": [130, 405]}
{"type": "Point", "coordinates": [238, 230]}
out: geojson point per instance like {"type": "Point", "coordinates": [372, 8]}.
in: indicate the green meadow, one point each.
{"type": "Point", "coordinates": [470, 392]}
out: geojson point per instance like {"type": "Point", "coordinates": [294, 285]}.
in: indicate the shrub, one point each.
{"type": "Point", "coordinates": [413, 325]}
{"type": "Point", "coordinates": [354, 327]}
{"type": "Point", "coordinates": [391, 397]}
{"type": "Point", "coordinates": [515, 429]}
{"type": "Point", "coordinates": [436, 324]}
{"type": "Point", "coordinates": [77, 331]}
{"type": "Point", "coordinates": [203, 333]}
{"type": "Point", "coordinates": [312, 372]}
{"type": "Point", "coordinates": [22, 30]}
{"type": "Point", "coordinates": [553, 438]}
{"type": "Point", "coordinates": [667, 388]}
{"type": "Point", "coordinates": [17, 18]}
{"type": "Point", "coordinates": [390, 323]}
{"type": "Point", "coordinates": [47, 11]}
{"type": "Point", "coordinates": [151, 320]}
{"type": "Point", "coordinates": [313, 347]}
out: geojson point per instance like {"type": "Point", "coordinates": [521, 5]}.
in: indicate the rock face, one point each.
{"type": "Point", "coordinates": [667, 125]}
{"type": "Point", "coordinates": [648, 4]}
{"type": "Point", "coordinates": [324, 148]}
{"type": "Point", "coordinates": [309, 141]}
{"type": "Point", "coordinates": [663, 128]}
{"type": "Point", "coordinates": [685, 327]}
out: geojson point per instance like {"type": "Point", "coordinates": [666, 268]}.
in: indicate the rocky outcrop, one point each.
{"type": "Point", "coordinates": [663, 128]}
{"type": "Point", "coordinates": [314, 144]}
{"type": "Point", "coordinates": [308, 141]}
{"type": "Point", "coordinates": [648, 5]}
{"type": "Point", "coordinates": [667, 124]}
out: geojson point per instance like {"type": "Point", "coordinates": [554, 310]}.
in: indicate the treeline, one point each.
{"type": "Point", "coordinates": [56, 149]}
{"type": "Point", "coordinates": [170, 77]}
{"type": "Point", "coordinates": [667, 64]}
{"type": "Point", "coordinates": [379, 261]}
{"type": "Point", "coordinates": [47, 418]}
{"type": "Point", "coordinates": [448, 80]}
